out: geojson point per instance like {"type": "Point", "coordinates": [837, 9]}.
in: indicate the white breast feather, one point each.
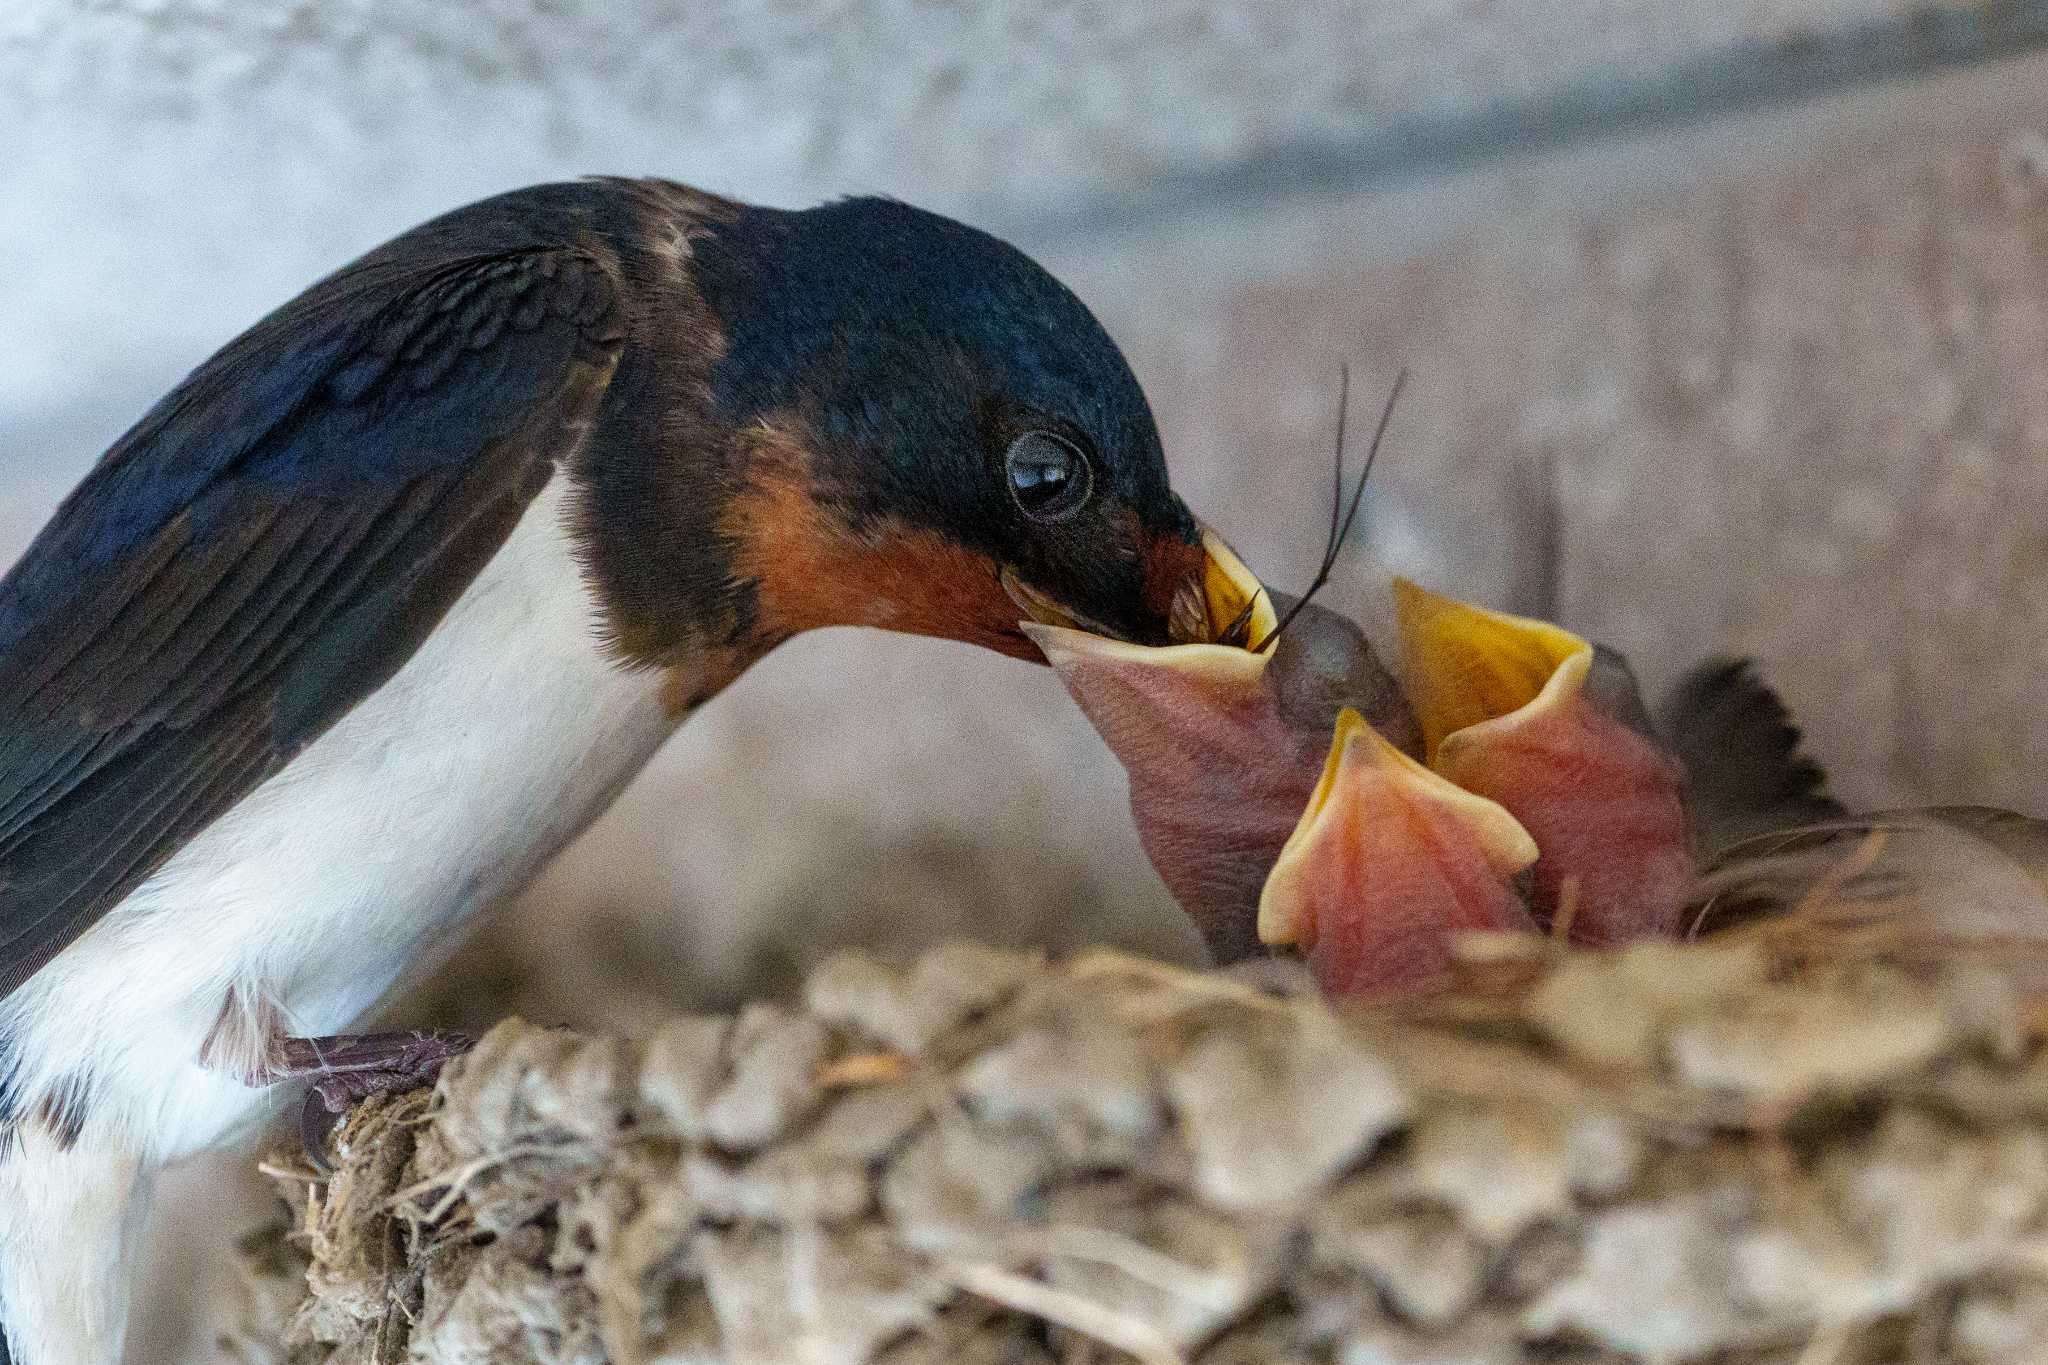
{"type": "Point", "coordinates": [505, 735]}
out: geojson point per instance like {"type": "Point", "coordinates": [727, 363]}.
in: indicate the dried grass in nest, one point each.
{"type": "Point", "coordinates": [1815, 1141]}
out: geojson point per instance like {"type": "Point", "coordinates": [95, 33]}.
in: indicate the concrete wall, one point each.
{"type": "Point", "coordinates": [1725, 325]}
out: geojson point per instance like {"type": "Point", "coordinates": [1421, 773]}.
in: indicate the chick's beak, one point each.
{"type": "Point", "coordinates": [1534, 718]}
{"type": "Point", "coordinates": [1388, 860]}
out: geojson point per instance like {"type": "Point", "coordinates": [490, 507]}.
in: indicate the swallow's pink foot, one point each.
{"type": "Point", "coordinates": [349, 1068]}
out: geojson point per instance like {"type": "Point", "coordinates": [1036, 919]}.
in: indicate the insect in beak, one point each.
{"type": "Point", "coordinates": [1224, 605]}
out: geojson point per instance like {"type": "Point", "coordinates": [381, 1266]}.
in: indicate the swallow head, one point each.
{"type": "Point", "coordinates": [943, 440]}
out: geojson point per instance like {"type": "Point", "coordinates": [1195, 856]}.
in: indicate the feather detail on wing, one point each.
{"type": "Point", "coordinates": [269, 545]}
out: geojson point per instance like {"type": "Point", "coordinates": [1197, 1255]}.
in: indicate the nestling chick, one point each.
{"type": "Point", "coordinates": [1223, 746]}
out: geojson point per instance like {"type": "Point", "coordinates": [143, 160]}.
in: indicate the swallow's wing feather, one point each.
{"type": "Point", "coordinates": [1746, 770]}
{"type": "Point", "coordinates": [268, 546]}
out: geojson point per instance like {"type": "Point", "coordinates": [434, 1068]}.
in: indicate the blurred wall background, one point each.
{"type": "Point", "coordinates": [1726, 326]}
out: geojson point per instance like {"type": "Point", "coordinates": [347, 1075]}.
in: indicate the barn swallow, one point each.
{"type": "Point", "coordinates": [1388, 862]}
{"type": "Point", "coordinates": [388, 599]}
{"type": "Point", "coordinates": [1781, 854]}
{"type": "Point", "coordinates": [1775, 842]}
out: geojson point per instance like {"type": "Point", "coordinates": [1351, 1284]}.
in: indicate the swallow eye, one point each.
{"type": "Point", "coordinates": [1049, 478]}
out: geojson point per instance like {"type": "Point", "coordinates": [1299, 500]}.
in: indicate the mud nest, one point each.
{"type": "Point", "coordinates": [1768, 1149]}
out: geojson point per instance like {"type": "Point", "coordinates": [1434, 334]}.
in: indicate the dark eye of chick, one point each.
{"type": "Point", "coordinates": [1049, 477]}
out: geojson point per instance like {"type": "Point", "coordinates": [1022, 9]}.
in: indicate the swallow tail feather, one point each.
{"type": "Point", "coordinates": [71, 1218]}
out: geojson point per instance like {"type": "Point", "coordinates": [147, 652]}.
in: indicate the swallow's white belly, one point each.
{"type": "Point", "coordinates": [505, 735]}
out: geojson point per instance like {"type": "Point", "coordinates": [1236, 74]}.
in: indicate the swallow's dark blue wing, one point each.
{"type": "Point", "coordinates": [270, 543]}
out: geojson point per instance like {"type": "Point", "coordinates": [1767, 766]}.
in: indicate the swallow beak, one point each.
{"type": "Point", "coordinates": [1045, 611]}
{"type": "Point", "coordinates": [1387, 861]}
{"type": "Point", "coordinates": [1206, 593]}
{"type": "Point", "coordinates": [1534, 718]}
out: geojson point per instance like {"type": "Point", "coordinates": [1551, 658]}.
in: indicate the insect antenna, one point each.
{"type": "Point", "coordinates": [1342, 517]}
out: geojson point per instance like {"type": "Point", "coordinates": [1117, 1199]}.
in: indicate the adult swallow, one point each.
{"type": "Point", "coordinates": [388, 600]}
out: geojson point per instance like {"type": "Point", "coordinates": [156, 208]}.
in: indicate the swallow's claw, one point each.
{"type": "Point", "coordinates": [415, 1053]}
{"type": "Point", "coordinates": [345, 1070]}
